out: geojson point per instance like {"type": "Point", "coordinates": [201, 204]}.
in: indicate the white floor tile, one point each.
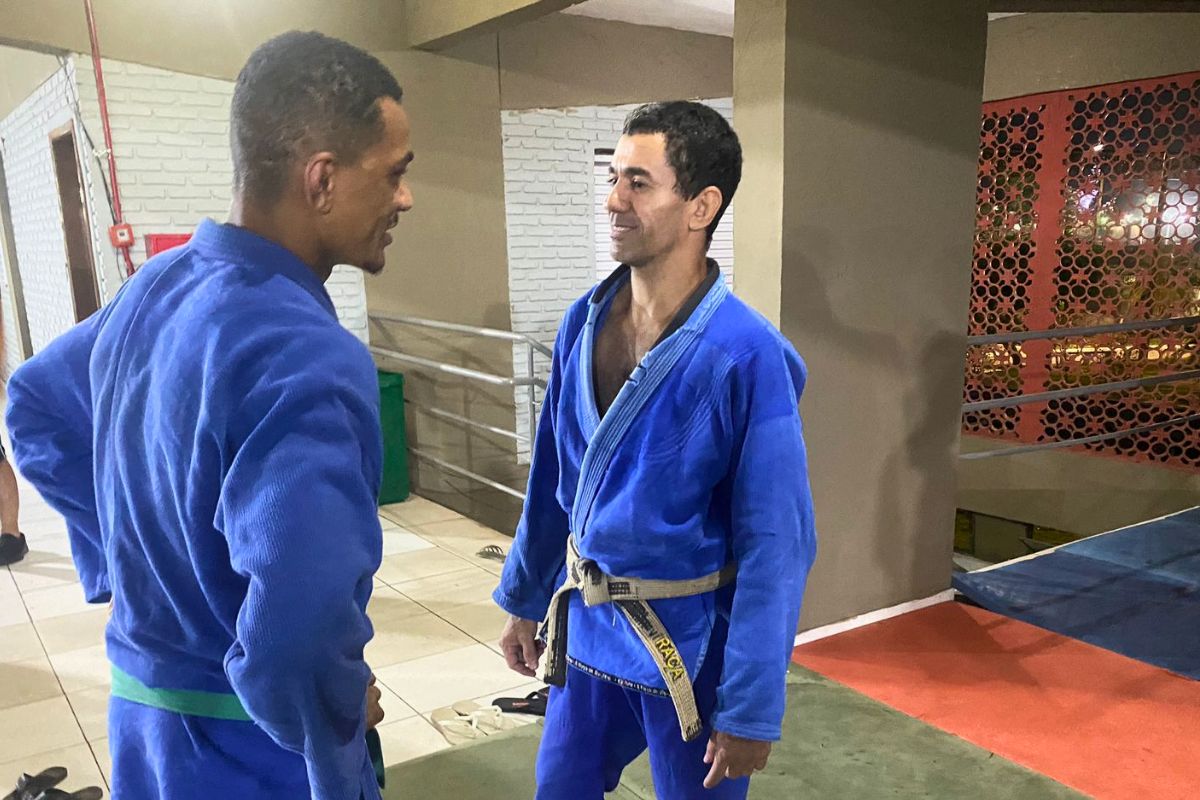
{"type": "Point", "coordinates": [81, 669]}
{"type": "Point", "coordinates": [442, 592]}
{"type": "Point", "coordinates": [418, 564]}
{"type": "Point", "coordinates": [103, 758]}
{"type": "Point", "coordinates": [394, 709]}
{"type": "Point", "coordinates": [439, 680]}
{"type": "Point", "coordinates": [73, 631]}
{"type": "Point", "coordinates": [23, 682]}
{"type": "Point", "coordinates": [398, 640]}
{"type": "Point", "coordinates": [417, 511]}
{"type": "Point", "coordinates": [56, 602]}
{"type": "Point", "coordinates": [46, 573]}
{"type": "Point", "coordinates": [91, 709]}
{"type": "Point", "coordinates": [19, 643]}
{"type": "Point", "coordinates": [482, 620]}
{"type": "Point", "coordinates": [398, 541]}
{"type": "Point", "coordinates": [39, 727]}
{"type": "Point", "coordinates": [409, 739]}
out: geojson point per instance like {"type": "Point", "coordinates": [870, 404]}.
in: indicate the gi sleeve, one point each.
{"type": "Point", "coordinates": [539, 549]}
{"type": "Point", "coordinates": [49, 420]}
{"type": "Point", "coordinates": [298, 508]}
{"type": "Point", "coordinates": [774, 543]}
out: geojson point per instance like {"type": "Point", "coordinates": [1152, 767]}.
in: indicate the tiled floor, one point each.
{"type": "Point", "coordinates": [435, 641]}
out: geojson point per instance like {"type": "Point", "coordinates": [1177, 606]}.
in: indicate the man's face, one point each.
{"type": "Point", "coordinates": [648, 217]}
{"type": "Point", "coordinates": [370, 195]}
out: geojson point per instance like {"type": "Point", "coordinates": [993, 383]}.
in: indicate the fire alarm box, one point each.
{"type": "Point", "coordinates": [121, 235]}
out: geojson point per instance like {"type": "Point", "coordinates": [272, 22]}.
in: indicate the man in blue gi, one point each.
{"type": "Point", "coordinates": [668, 524]}
{"type": "Point", "coordinates": [212, 438]}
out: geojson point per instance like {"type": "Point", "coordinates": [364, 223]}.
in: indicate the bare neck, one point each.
{"type": "Point", "coordinates": [659, 289]}
{"type": "Point", "coordinates": [277, 225]}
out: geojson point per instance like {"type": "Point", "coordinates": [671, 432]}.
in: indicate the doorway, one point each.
{"type": "Point", "coordinates": [80, 265]}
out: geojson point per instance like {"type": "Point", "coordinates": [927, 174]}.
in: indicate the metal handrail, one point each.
{"type": "Point", "coordinates": [1063, 333]}
{"type": "Point", "coordinates": [1100, 437]}
{"type": "Point", "coordinates": [466, 473]}
{"type": "Point", "coordinates": [461, 372]}
{"type": "Point", "coordinates": [531, 381]}
{"type": "Point", "coordinates": [472, 330]}
{"type": "Point", "coordinates": [1080, 391]}
{"type": "Point", "coordinates": [437, 412]}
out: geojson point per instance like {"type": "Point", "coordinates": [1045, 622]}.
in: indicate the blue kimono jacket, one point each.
{"type": "Point", "coordinates": [698, 462]}
{"type": "Point", "coordinates": [212, 438]}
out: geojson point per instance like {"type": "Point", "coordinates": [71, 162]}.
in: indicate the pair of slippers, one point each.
{"type": "Point", "coordinates": [467, 721]}
{"type": "Point", "coordinates": [42, 787]}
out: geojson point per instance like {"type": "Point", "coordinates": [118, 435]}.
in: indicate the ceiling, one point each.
{"type": "Point", "coordinates": [701, 16]}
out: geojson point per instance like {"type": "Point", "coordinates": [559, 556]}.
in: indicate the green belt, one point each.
{"type": "Point", "coordinates": [214, 705]}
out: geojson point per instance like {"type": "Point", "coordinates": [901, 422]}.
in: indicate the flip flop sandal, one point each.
{"type": "Point", "coordinates": [457, 729]}
{"type": "Point", "coordinates": [30, 786]}
{"type": "Point", "coordinates": [465, 708]}
{"type": "Point", "coordinates": [488, 720]}
{"type": "Point", "coordinates": [492, 552]}
{"type": "Point", "coordinates": [90, 793]}
{"type": "Point", "coordinates": [532, 703]}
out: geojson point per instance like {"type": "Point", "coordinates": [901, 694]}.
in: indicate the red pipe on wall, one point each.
{"type": "Point", "coordinates": [108, 145]}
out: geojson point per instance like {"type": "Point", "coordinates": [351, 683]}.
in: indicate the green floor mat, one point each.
{"type": "Point", "coordinates": [837, 743]}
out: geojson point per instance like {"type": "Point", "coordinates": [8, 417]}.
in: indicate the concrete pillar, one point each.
{"type": "Point", "coordinates": [859, 121]}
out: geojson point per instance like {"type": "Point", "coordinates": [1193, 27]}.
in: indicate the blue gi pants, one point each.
{"type": "Point", "coordinates": [595, 728]}
{"type": "Point", "coordinates": [161, 755]}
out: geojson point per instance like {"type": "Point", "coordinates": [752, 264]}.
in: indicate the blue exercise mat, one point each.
{"type": "Point", "coordinates": [1135, 591]}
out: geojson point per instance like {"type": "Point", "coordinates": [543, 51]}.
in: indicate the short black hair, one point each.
{"type": "Point", "coordinates": [701, 147]}
{"type": "Point", "coordinates": [300, 93]}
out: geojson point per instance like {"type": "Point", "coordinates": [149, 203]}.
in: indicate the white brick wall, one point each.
{"type": "Point", "coordinates": [549, 198]}
{"type": "Point", "coordinates": [36, 215]}
{"type": "Point", "coordinates": [171, 140]}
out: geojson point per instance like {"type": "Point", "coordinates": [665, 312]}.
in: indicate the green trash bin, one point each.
{"type": "Point", "coordinates": [395, 486]}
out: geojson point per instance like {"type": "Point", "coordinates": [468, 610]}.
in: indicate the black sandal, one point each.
{"type": "Point", "coordinates": [30, 787]}
{"type": "Point", "coordinates": [41, 787]}
{"type": "Point", "coordinates": [532, 703]}
{"type": "Point", "coordinates": [90, 793]}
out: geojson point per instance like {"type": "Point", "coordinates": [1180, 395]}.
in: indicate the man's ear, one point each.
{"type": "Point", "coordinates": [320, 177]}
{"type": "Point", "coordinates": [704, 208]}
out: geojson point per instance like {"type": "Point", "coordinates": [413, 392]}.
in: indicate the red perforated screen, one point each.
{"type": "Point", "coordinates": [1087, 214]}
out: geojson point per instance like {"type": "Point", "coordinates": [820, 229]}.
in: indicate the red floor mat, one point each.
{"type": "Point", "coordinates": [1107, 725]}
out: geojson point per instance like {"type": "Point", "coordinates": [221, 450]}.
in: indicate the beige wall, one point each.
{"type": "Point", "coordinates": [438, 24]}
{"type": "Point", "coordinates": [760, 67]}
{"type": "Point", "coordinates": [201, 37]}
{"type": "Point", "coordinates": [1036, 53]}
{"type": "Point", "coordinates": [881, 142]}
{"type": "Point", "coordinates": [448, 263]}
{"type": "Point", "coordinates": [21, 71]}
{"type": "Point", "coordinates": [563, 60]}
{"type": "Point", "coordinates": [1072, 491]}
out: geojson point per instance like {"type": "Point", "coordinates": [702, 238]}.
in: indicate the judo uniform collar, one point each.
{"type": "Point", "coordinates": [231, 243]}
{"type": "Point", "coordinates": [605, 435]}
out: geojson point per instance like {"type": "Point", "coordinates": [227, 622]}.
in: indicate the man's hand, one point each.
{"type": "Point", "coordinates": [734, 757]}
{"type": "Point", "coordinates": [374, 709]}
{"type": "Point", "coordinates": [521, 647]}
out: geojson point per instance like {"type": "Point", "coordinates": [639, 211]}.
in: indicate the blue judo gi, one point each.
{"type": "Point", "coordinates": [699, 462]}
{"type": "Point", "coordinates": [212, 438]}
